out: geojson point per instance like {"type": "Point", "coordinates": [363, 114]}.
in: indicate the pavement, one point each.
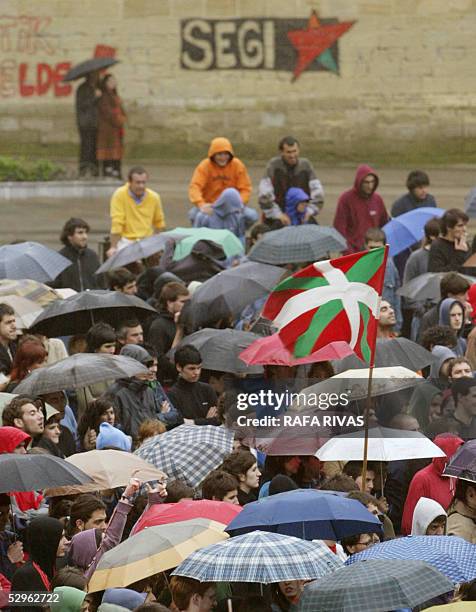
{"type": "Point", "coordinates": [41, 220]}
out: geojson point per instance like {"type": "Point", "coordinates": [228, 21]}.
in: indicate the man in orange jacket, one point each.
{"type": "Point", "coordinates": [217, 178]}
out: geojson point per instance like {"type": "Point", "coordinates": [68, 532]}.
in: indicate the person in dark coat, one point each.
{"type": "Point", "coordinates": [449, 252]}
{"type": "Point", "coordinates": [80, 274]}
{"type": "Point", "coordinates": [417, 195]}
{"type": "Point", "coordinates": [8, 335]}
{"type": "Point", "coordinates": [87, 97]}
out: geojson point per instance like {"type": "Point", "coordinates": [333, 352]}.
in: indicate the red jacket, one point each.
{"type": "Point", "coordinates": [429, 481]}
{"type": "Point", "coordinates": [356, 212]}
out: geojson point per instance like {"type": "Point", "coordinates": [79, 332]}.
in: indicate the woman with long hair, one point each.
{"type": "Point", "coordinates": [30, 355]}
{"type": "Point", "coordinates": [99, 411]}
{"type": "Point", "coordinates": [111, 120]}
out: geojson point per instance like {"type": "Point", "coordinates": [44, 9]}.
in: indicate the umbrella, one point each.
{"type": "Point", "coordinates": [288, 441]}
{"type": "Point", "coordinates": [271, 350]}
{"type": "Point", "coordinates": [259, 557]}
{"type": "Point", "coordinates": [153, 550]}
{"type": "Point", "coordinates": [456, 606]}
{"type": "Point", "coordinates": [394, 352]}
{"type": "Point", "coordinates": [26, 311]}
{"type": "Point", "coordinates": [33, 472]}
{"type": "Point", "coordinates": [79, 371]}
{"type": "Point", "coordinates": [90, 65]}
{"type": "Point", "coordinates": [228, 292]}
{"type": "Point", "coordinates": [451, 555]}
{"type": "Point", "coordinates": [187, 509]}
{"type": "Point", "coordinates": [220, 349]}
{"type": "Point", "coordinates": [385, 444]}
{"type": "Point", "coordinates": [140, 249]}
{"type": "Point", "coordinates": [297, 243]}
{"type": "Point", "coordinates": [463, 463]}
{"type": "Point", "coordinates": [427, 286]}
{"type": "Point", "coordinates": [403, 231]}
{"type": "Point", "coordinates": [375, 586]}
{"type": "Point", "coordinates": [32, 290]}
{"type": "Point", "coordinates": [108, 469]}
{"type": "Point", "coordinates": [188, 452]}
{"type": "Point", "coordinates": [31, 260]}
{"type": "Point", "coordinates": [226, 239]}
{"type": "Point", "coordinates": [76, 314]}
{"type": "Point", "coordinates": [307, 514]}
{"type": "Point", "coordinates": [353, 383]}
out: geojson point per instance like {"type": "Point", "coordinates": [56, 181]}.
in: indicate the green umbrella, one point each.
{"type": "Point", "coordinates": [226, 239]}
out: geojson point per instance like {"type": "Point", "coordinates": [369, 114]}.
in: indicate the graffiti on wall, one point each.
{"type": "Point", "coordinates": [292, 45]}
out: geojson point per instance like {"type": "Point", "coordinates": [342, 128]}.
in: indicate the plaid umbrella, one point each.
{"type": "Point", "coordinates": [452, 556]}
{"type": "Point", "coordinates": [31, 260]}
{"type": "Point", "coordinates": [375, 586]}
{"type": "Point", "coordinates": [259, 557]}
{"type": "Point", "coordinates": [463, 463]}
{"type": "Point", "coordinates": [188, 453]}
{"type": "Point", "coordinates": [153, 550]}
{"type": "Point", "coordinates": [79, 371]}
{"type": "Point", "coordinates": [76, 314]}
{"type": "Point", "coordinates": [32, 290]}
{"type": "Point", "coordinates": [226, 239]}
{"type": "Point", "coordinates": [427, 286]}
{"type": "Point", "coordinates": [297, 243]}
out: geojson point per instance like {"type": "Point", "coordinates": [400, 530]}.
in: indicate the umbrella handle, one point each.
{"type": "Point", "coordinates": [230, 605]}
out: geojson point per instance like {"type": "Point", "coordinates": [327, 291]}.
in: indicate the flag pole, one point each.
{"type": "Point", "coordinates": [368, 403]}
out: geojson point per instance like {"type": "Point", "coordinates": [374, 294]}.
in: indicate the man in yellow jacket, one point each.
{"type": "Point", "coordinates": [217, 183]}
{"type": "Point", "coordinates": [136, 211]}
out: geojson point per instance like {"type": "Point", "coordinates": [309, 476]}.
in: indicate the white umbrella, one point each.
{"type": "Point", "coordinates": [385, 444]}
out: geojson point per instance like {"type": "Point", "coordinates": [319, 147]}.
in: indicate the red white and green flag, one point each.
{"type": "Point", "coordinates": [336, 299]}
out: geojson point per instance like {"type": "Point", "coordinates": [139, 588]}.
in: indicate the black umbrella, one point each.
{"type": "Point", "coordinates": [427, 286]}
{"type": "Point", "coordinates": [33, 472]}
{"type": "Point", "coordinates": [76, 314]}
{"type": "Point", "coordinates": [90, 65]}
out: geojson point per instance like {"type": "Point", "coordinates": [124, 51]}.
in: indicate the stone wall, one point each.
{"type": "Point", "coordinates": [400, 78]}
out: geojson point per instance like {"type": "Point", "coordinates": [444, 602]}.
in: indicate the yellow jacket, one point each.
{"type": "Point", "coordinates": [135, 221]}
{"type": "Point", "coordinates": [209, 179]}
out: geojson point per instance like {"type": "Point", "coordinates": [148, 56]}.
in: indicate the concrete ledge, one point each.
{"type": "Point", "coordinates": [18, 190]}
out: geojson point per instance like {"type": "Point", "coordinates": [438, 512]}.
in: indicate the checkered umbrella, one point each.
{"type": "Point", "coordinates": [463, 463]}
{"type": "Point", "coordinates": [452, 556]}
{"type": "Point", "coordinates": [259, 557]}
{"type": "Point", "coordinates": [188, 453]}
{"type": "Point", "coordinates": [375, 586]}
{"type": "Point", "coordinates": [297, 243]}
{"type": "Point", "coordinates": [31, 260]}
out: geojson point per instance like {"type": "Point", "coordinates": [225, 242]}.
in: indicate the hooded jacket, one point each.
{"type": "Point", "coordinates": [134, 402]}
{"type": "Point", "coordinates": [442, 354]}
{"type": "Point", "coordinates": [356, 212]}
{"type": "Point", "coordinates": [126, 598]}
{"type": "Point", "coordinates": [228, 213]}
{"type": "Point", "coordinates": [111, 436]}
{"type": "Point", "coordinates": [425, 513]}
{"type": "Point", "coordinates": [429, 481]}
{"type": "Point", "coordinates": [209, 179]}
{"type": "Point", "coordinates": [71, 599]}
{"type": "Point", "coordinates": [420, 402]}
{"type": "Point", "coordinates": [444, 319]}
{"type": "Point", "coordinates": [295, 196]}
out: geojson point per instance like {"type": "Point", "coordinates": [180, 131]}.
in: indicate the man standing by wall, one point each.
{"type": "Point", "coordinates": [87, 96]}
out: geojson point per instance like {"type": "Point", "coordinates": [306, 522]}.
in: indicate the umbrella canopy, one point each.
{"type": "Point", "coordinates": [31, 260]}
{"type": "Point", "coordinates": [76, 314]}
{"type": "Point", "coordinates": [385, 444]}
{"type": "Point", "coordinates": [90, 65]}
{"type": "Point", "coordinates": [407, 229]}
{"type": "Point", "coordinates": [79, 371]}
{"type": "Point", "coordinates": [427, 286]}
{"type": "Point", "coordinates": [463, 463]}
{"type": "Point", "coordinates": [26, 311]}
{"type": "Point", "coordinates": [259, 557]}
{"type": "Point", "coordinates": [141, 249]}
{"type": "Point", "coordinates": [228, 292]}
{"type": "Point", "coordinates": [456, 606]}
{"type": "Point", "coordinates": [32, 290]}
{"type": "Point", "coordinates": [187, 509]}
{"type": "Point", "coordinates": [271, 350]}
{"type": "Point", "coordinates": [188, 452]}
{"type": "Point", "coordinates": [452, 556]}
{"type": "Point", "coordinates": [220, 349]}
{"type": "Point", "coordinates": [307, 514]}
{"type": "Point", "coordinates": [297, 243]}
{"type": "Point", "coordinates": [108, 469]}
{"type": "Point", "coordinates": [394, 352]}
{"type": "Point", "coordinates": [226, 239]}
{"type": "Point", "coordinates": [153, 550]}
{"type": "Point", "coordinates": [33, 472]}
{"type": "Point", "coordinates": [375, 586]}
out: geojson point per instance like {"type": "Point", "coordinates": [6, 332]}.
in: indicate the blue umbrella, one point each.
{"type": "Point", "coordinates": [452, 556]}
{"type": "Point", "coordinates": [403, 231]}
{"type": "Point", "coordinates": [31, 260]}
{"type": "Point", "coordinates": [307, 514]}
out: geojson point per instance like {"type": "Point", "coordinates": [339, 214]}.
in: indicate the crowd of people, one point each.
{"type": "Point", "coordinates": [55, 543]}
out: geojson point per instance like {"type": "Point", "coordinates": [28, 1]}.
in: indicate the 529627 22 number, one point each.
{"type": "Point", "coordinates": [32, 598]}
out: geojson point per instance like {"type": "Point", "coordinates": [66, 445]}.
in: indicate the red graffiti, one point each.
{"type": "Point", "coordinates": [38, 82]}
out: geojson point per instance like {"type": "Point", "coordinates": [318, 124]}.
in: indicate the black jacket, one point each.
{"type": "Point", "coordinates": [193, 401]}
{"type": "Point", "coordinates": [134, 402]}
{"type": "Point", "coordinates": [86, 107]}
{"type": "Point", "coordinates": [444, 257]}
{"type": "Point", "coordinates": [161, 334]}
{"type": "Point", "coordinates": [80, 274]}
{"type": "Point", "coordinates": [5, 360]}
